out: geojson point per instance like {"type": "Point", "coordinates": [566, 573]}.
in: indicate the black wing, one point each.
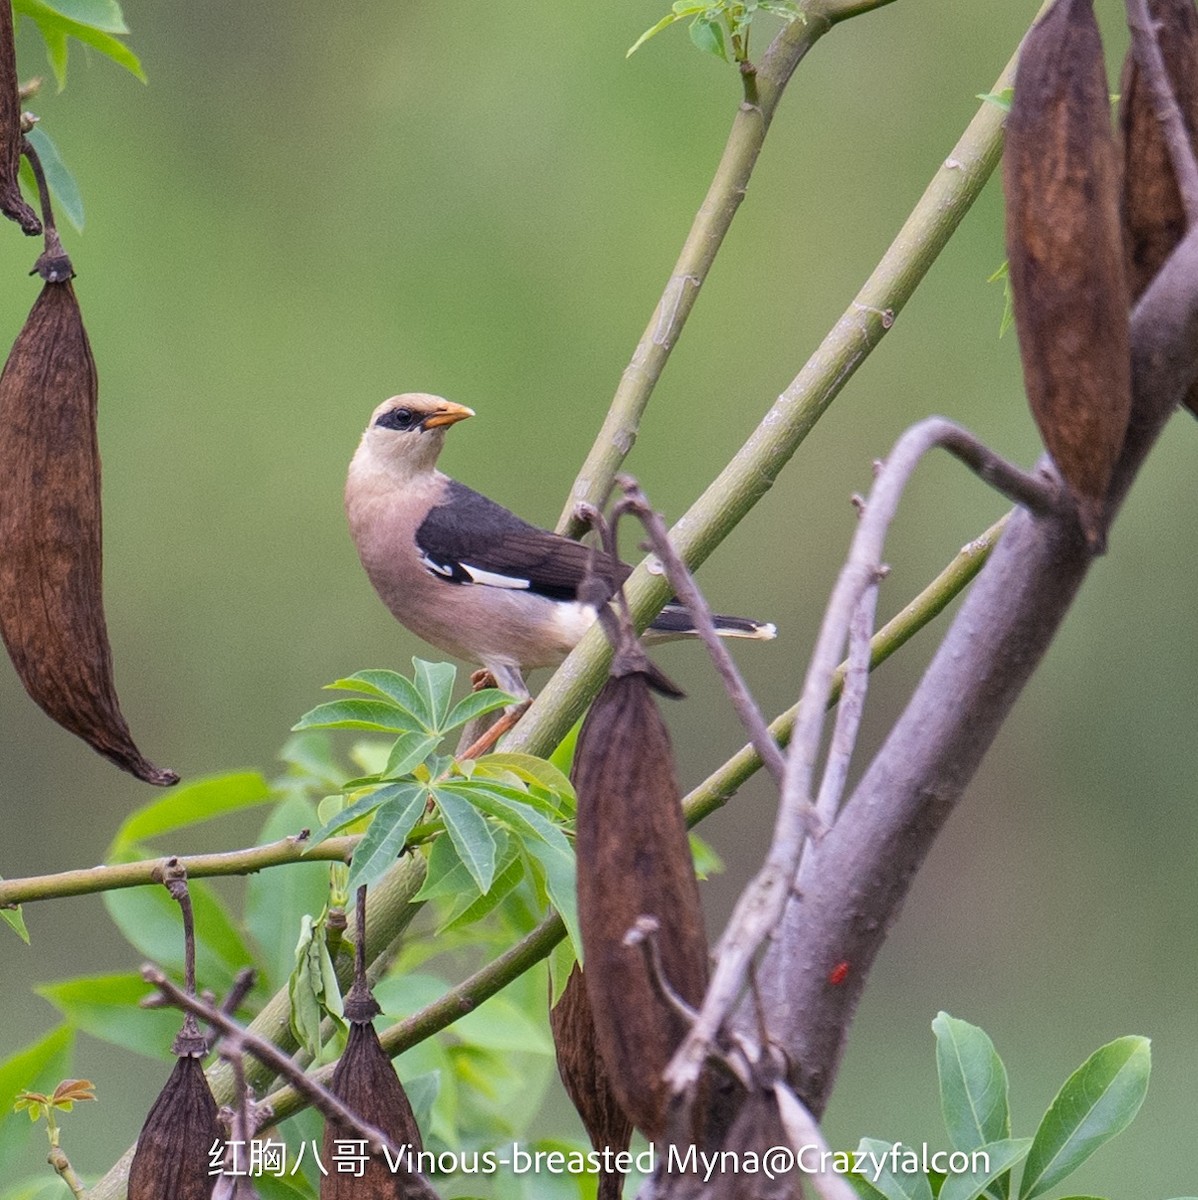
{"type": "Point", "coordinates": [470, 539]}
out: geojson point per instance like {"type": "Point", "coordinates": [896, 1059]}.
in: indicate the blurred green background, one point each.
{"type": "Point", "coordinates": [311, 208]}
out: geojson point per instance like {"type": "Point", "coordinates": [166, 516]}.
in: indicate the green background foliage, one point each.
{"type": "Point", "coordinates": [309, 209]}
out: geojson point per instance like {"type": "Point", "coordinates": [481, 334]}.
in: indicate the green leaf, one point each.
{"type": "Point", "coordinates": [409, 751]}
{"type": "Point", "coordinates": [276, 899]}
{"type": "Point", "coordinates": [390, 685]}
{"type": "Point", "coordinates": [106, 1006]}
{"type": "Point", "coordinates": [532, 770]}
{"type": "Point", "coordinates": [1097, 1101]}
{"type": "Point", "coordinates": [707, 861]}
{"type": "Point", "coordinates": [502, 1024]}
{"type": "Point", "coordinates": [563, 754]}
{"type": "Point", "coordinates": [1001, 1155]}
{"type": "Point", "coordinates": [476, 705]}
{"type": "Point", "coordinates": [524, 813]}
{"type": "Point", "coordinates": [99, 14]}
{"type": "Point", "coordinates": [894, 1185]}
{"type": "Point", "coordinates": [364, 805]}
{"type": "Point", "coordinates": [466, 910]}
{"type": "Point", "coordinates": [557, 867]}
{"type": "Point", "coordinates": [191, 804]}
{"type": "Point", "coordinates": [998, 99]}
{"type": "Point", "coordinates": [36, 1068]}
{"type": "Point", "coordinates": [973, 1084]}
{"type": "Point", "coordinates": [1008, 311]}
{"type": "Point", "coordinates": [708, 35]}
{"type": "Point", "coordinates": [16, 919]}
{"type": "Point", "coordinates": [312, 987]}
{"type": "Point", "coordinates": [56, 28]}
{"type": "Point", "coordinates": [384, 841]}
{"type": "Point", "coordinates": [58, 176]}
{"type": "Point", "coordinates": [447, 875]}
{"type": "Point", "coordinates": [561, 962]}
{"type": "Point", "coordinates": [653, 31]}
{"type": "Point", "coordinates": [434, 681]}
{"type": "Point", "coordinates": [356, 714]}
{"type": "Point", "coordinates": [311, 756]}
{"type": "Point", "coordinates": [472, 837]}
{"type": "Point", "coordinates": [151, 922]}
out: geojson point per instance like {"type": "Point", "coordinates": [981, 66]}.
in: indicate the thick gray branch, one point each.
{"type": "Point", "coordinates": [854, 882]}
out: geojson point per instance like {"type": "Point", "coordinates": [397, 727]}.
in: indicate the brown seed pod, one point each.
{"type": "Point", "coordinates": [12, 203]}
{"type": "Point", "coordinates": [1154, 220]}
{"type": "Point", "coordinates": [1065, 250]}
{"type": "Point", "coordinates": [173, 1155]}
{"type": "Point", "coordinates": [586, 1080]}
{"type": "Point", "coordinates": [366, 1082]}
{"type": "Point", "coordinates": [634, 860]}
{"type": "Point", "coordinates": [51, 608]}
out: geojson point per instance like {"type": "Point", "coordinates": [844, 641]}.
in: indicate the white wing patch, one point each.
{"type": "Point", "coordinates": [491, 579]}
{"type": "Point", "coordinates": [461, 572]}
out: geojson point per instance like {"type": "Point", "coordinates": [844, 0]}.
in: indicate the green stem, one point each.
{"type": "Point", "coordinates": [751, 473]}
{"type": "Point", "coordinates": [89, 880]}
{"type": "Point", "coordinates": [712, 222]}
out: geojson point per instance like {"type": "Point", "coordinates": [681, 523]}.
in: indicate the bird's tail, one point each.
{"type": "Point", "coordinates": [674, 621]}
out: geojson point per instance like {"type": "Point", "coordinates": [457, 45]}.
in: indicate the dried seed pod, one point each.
{"type": "Point", "coordinates": [1154, 220]}
{"type": "Point", "coordinates": [51, 608]}
{"type": "Point", "coordinates": [366, 1082]}
{"type": "Point", "coordinates": [634, 860]}
{"type": "Point", "coordinates": [12, 204]}
{"type": "Point", "coordinates": [173, 1154]}
{"type": "Point", "coordinates": [1065, 249]}
{"type": "Point", "coordinates": [586, 1080]}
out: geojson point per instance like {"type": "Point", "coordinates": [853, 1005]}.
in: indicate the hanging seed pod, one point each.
{"type": "Point", "coordinates": [634, 860]}
{"type": "Point", "coordinates": [51, 608]}
{"type": "Point", "coordinates": [12, 204]}
{"type": "Point", "coordinates": [1065, 249]}
{"type": "Point", "coordinates": [1154, 220]}
{"type": "Point", "coordinates": [173, 1154]}
{"type": "Point", "coordinates": [586, 1080]}
{"type": "Point", "coordinates": [366, 1083]}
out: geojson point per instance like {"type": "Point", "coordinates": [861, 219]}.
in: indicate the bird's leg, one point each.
{"type": "Point", "coordinates": [507, 679]}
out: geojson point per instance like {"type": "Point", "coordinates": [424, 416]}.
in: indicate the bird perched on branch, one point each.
{"type": "Point", "coordinates": [463, 572]}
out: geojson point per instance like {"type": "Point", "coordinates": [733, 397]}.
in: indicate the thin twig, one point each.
{"type": "Point", "coordinates": [763, 901]}
{"type": "Point", "coordinates": [644, 933]}
{"type": "Point", "coordinates": [90, 880]}
{"type": "Point", "coordinates": [851, 707]}
{"type": "Point", "coordinates": [1164, 103]}
{"type": "Point", "coordinates": [803, 1130]}
{"type": "Point", "coordinates": [688, 593]}
{"type": "Point", "coordinates": [57, 1158]}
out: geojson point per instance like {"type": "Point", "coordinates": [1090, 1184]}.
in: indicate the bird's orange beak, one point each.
{"type": "Point", "coordinates": [448, 414]}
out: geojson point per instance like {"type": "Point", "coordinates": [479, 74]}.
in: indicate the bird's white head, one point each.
{"type": "Point", "coordinates": [406, 432]}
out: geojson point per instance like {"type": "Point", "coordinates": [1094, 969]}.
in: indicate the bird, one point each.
{"type": "Point", "coordinates": [464, 573]}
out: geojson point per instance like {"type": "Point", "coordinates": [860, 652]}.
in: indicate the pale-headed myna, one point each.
{"type": "Point", "coordinates": [463, 572]}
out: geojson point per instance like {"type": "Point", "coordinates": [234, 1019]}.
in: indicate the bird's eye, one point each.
{"type": "Point", "coordinates": [398, 418]}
